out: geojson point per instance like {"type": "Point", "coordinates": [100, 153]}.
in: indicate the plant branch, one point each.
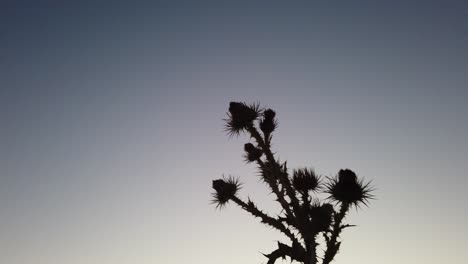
{"type": "Point", "coordinates": [282, 175]}
{"type": "Point", "coordinates": [275, 223]}
{"type": "Point", "coordinates": [296, 252]}
{"type": "Point", "coordinates": [332, 245]}
{"type": "Point", "coordinates": [311, 257]}
{"type": "Point", "coordinates": [279, 195]}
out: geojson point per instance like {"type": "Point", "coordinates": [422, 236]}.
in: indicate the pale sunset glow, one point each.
{"type": "Point", "coordinates": [112, 125]}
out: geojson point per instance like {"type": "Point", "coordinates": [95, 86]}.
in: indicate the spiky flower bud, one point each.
{"type": "Point", "coordinates": [347, 176]}
{"type": "Point", "coordinates": [346, 188]}
{"type": "Point", "coordinates": [268, 123]}
{"type": "Point", "coordinates": [271, 172]}
{"type": "Point", "coordinates": [252, 153]}
{"type": "Point", "coordinates": [305, 180]}
{"type": "Point", "coordinates": [241, 116]}
{"type": "Point", "coordinates": [225, 189]}
{"type": "Point", "coordinates": [321, 217]}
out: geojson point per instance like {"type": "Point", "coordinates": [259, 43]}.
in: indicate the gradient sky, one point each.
{"type": "Point", "coordinates": [111, 125]}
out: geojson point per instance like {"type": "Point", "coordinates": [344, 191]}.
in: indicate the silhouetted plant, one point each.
{"type": "Point", "coordinates": [304, 215]}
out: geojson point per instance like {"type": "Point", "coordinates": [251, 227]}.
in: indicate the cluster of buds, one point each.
{"type": "Point", "coordinates": [268, 123]}
{"type": "Point", "coordinates": [304, 216]}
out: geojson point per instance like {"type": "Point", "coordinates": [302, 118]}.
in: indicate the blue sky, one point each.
{"type": "Point", "coordinates": [112, 125]}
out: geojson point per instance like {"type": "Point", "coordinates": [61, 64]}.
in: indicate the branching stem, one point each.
{"type": "Point", "coordinates": [282, 177]}
{"type": "Point", "coordinates": [252, 209]}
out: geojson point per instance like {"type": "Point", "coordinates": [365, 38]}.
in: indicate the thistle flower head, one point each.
{"type": "Point", "coordinates": [347, 188]}
{"type": "Point", "coordinates": [240, 116]}
{"type": "Point", "coordinates": [225, 189]}
{"type": "Point", "coordinates": [269, 172]}
{"type": "Point", "coordinates": [321, 216]}
{"type": "Point", "coordinates": [252, 153]}
{"type": "Point", "coordinates": [347, 176]}
{"type": "Point", "coordinates": [268, 123]}
{"type": "Point", "coordinates": [305, 180]}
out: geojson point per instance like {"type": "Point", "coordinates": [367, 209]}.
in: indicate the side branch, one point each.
{"type": "Point", "coordinates": [275, 223]}
{"type": "Point", "coordinates": [295, 252]}
{"type": "Point", "coordinates": [279, 194]}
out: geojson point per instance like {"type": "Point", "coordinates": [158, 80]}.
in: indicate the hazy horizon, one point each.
{"type": "Point", "coordinates": [112, 125]}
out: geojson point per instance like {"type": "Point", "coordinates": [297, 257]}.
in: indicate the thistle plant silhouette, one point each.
{"type": "Point", "coordinates": [304, 216]}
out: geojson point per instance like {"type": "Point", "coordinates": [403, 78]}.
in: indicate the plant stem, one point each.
{"type": "Point", "coordinates": [332, 244]}
{"type": "Point", "coordinates": [311, 256]}
{"type": "Point", "coordinates": [251, 208]}
{"type": "Point", "coordinates": [283, 178]}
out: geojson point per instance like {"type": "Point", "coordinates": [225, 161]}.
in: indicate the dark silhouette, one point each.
{"type": "Point", "coordinates": [304, 217]}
